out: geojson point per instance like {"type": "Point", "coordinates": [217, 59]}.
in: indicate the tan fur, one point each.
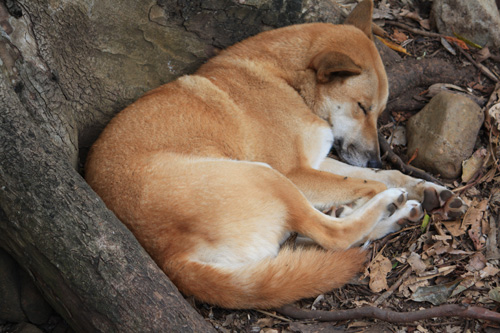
{"type": "Point", "coordinates": [213, 171]}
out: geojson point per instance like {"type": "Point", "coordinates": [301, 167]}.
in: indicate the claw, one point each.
{"type": "Point", "coordinates": [401, 198]}
{"type": "Point", "coordinates": [391, 208]}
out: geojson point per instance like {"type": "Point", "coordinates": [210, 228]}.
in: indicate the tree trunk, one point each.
{"type": "Point", "coordinates": [87, 264]}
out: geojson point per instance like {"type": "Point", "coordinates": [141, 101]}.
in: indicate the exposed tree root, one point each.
{"type": "Point", "coordinates": [371, 312]}
{"type": "Point", "coordinates": [402, 166]}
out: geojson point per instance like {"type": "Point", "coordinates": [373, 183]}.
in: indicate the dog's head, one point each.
{"type": "Point", "coordinates": [351, 88]}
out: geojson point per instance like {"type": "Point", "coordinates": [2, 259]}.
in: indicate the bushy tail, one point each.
{"type": "Point", "coordinates": [273, 282]}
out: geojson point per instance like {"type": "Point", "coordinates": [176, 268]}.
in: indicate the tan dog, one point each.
{"type": "Point", "coordinates": [213, 171]}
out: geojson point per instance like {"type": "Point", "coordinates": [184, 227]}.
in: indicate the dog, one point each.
{"type": "Point", "coordinates": [213, 171]}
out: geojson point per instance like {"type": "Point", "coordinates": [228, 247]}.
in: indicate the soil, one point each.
{"type": "Point", "coordinates": [453, 262]}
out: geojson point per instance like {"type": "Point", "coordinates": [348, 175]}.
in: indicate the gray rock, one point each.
{"type": "Point", "coordinates": [10, 301]}
{"type": "Point", "coordinates": [444, 132]}
{"type": "Point", "coordinates": [478, 20]}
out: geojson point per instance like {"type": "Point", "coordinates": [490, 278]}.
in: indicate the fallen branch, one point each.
{"type": "Point", "coordinates": [371, 312]}
{"type": "Point", "coordinates": [403, 167]}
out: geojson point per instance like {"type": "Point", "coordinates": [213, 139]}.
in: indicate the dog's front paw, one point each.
{"type": "Point", "coordinates": [410, 211]}
{"type": "Point", "coordinates": [440, 200]}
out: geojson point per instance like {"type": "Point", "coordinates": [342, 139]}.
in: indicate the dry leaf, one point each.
{"type": "Point", "coordinates": [393, 46]}
{"type": "Point", "coordinates": [426, 24]}
{"type": "Point", "coordinates": [448, 46]}
{"type": "Point", "coordinates": [464, 285]}
{"type": "Point", "coordinates": [398, 136]}
{"type": "Point", "coordinates": [476, 234]}
{"type": "Point", "coordinates": [265, 322]}
{"type": "Point", "coordinates": [411, 15]}
{"type": "Point", "coordinates": [454, 227]}
{"type": "Point", "coordinates": [494, 112]}
{"type": "Point", "coordinates": [416, 263]}
{"type": "Point", "coordinates": [494, 294]}
{"type": "Point", "coordinates": [471, 166]}
{"type": "Point", "coordinates": [435, 294]}
{"type": "Point", "coordinates": [475, 213]}
{"type": "Point", "coordinates": [457, 41]}
{"type": "Point", "coordinates": [476, 263]}
{"type": "Point", "coordinates": [378, 273]}
{"type": "Point", "coordinates": [483, 54]}
{"type": "Point", "coordinates": [441, 271]}
{"type": "Point", "coordinates": [436, 88]}
{"type": "Point", "coordinates": [489, 270]}
{"type": "Point", "coordinates": [270, 330]}
{"type": "Point", "coordinates": [422, 329]}
{"type": "Point", "coordinates": [411, 285]}
{"type": "Point", "coordinates": [399, 36]}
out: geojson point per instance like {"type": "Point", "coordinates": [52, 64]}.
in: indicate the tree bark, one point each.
{"type": "Point", "coordinates": [87, 264]}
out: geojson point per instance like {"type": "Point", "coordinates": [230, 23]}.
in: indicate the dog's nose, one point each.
{"type": "Point", "coordinates": [376, 163]}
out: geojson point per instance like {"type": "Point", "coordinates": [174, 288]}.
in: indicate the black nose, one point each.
{"type": "Point", "coordinates": [374, 164]}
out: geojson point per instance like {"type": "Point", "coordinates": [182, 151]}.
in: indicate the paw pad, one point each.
{"type": "Point", "coordinates": [446, 203]}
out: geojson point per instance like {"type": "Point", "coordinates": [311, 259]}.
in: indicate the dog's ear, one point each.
{"type": "Point", "coordinates": [361, 17]}
{"type": "Point", "coordinates": [327, 64]}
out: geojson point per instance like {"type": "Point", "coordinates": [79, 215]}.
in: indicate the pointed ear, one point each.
{"type": "Point", "coordinates": [328, 63]}
{"type": "Point", "coordinates": [361, 17]}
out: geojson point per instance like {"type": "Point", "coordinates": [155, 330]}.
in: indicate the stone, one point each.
{"type": "Point", "coordinates": [477, 20]}
{"type": "Point", "coordinates": [444, 132]}
{"type": "Point", "coordinates": [10, 300]}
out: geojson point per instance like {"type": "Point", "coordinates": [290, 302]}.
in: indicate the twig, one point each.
{"type": "Point", "coordinates": [492, 251]}
{"type": "Point", "coordinates": [270, 314]}
{"type": "Point", "coordinates": [371, 312]}
{"type": "Point", "coordinates": [415, 31]}
{"type": "Point", "coordinates": [405, 168]}
{"type": "Point", "coordinates": [393, 288]}
{"type": "Point", "coordinates": [483, 69]}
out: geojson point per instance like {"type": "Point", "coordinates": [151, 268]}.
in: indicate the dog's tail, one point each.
{"type": "Point", "coordinates": [270, 283]}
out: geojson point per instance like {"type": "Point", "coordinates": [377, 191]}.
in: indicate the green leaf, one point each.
{"type": "Point", "coordinates": [425, 222]}
{"type": "Point", "coordinates": [468, 42]}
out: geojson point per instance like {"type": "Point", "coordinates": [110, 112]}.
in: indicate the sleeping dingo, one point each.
{"type": "Point", "coordinates": [212, 172]}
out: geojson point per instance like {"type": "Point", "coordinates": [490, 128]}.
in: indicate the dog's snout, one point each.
{"type": "Point", "coordinates": [337, 144]}
{"type": "Point", "coordinates": [374, 163]}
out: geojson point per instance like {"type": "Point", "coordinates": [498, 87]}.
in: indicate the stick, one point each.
{"type": "Point", "coordinates": [405, 168]}
{"type": "Point", "coordinates": [483, 69]}
{"type": "Point", "coordinates": [371, 312]}
{"type": "Point", "coordinates": [270, 314]}
{"type": "Point", "coordinates": [414, 30]}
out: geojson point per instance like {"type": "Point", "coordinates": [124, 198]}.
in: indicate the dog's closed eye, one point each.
{"type": "Point", "coordinates": [365, 109]}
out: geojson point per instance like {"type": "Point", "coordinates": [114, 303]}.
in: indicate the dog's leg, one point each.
{"type": "Point", "coordinates": [379, 216]}
{"type": "Point", "coordinates": [325, 189]}
{"type": "Point", "coordinates": [431, 195]}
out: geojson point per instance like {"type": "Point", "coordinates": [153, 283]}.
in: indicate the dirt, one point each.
{"type": "Point", "coordinates": [443, 262]}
